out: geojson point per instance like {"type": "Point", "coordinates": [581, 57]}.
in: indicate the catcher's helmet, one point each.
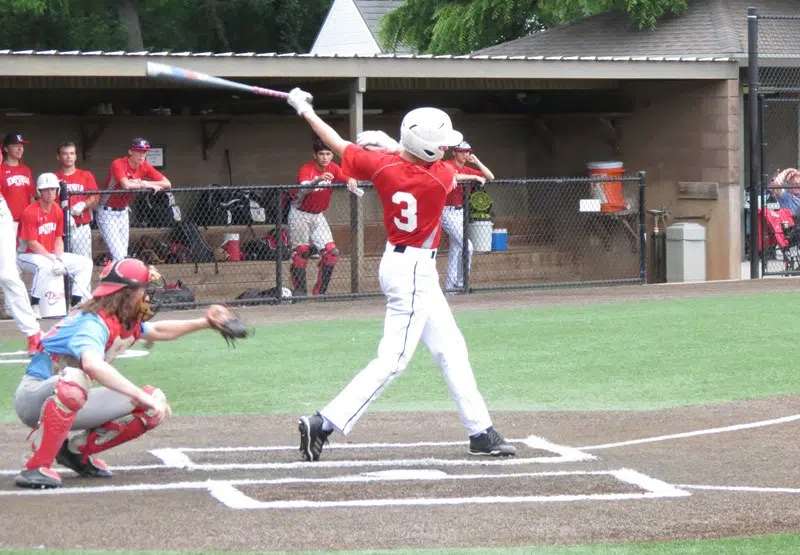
{"type": "Point", "coordinates": [128, 272]}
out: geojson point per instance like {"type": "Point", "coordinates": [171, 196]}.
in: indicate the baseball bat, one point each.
{"type": "Point", "coordinates": [173, 73]}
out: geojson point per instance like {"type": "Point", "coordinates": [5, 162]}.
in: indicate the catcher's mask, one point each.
{"type": "Point", "coordinates": [130, 272]}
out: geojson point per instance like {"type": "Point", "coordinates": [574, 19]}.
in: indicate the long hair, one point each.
{"type": "Point", "coordinates": [123, 305]}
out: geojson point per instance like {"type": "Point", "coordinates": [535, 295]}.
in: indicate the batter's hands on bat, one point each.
{"type": "Point", "coordinates": [228, 324]}
{"type": "Point", "coordinates": [378, 141]}
{"type": "Point", "coordinates": [300, 100]}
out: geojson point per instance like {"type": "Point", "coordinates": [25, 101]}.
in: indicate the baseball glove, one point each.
{"type": "Point", "coordinates": [227, 323]}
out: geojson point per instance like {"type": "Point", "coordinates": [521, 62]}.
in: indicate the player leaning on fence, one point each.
{"type": "Point", "coordinates": [131, 173]}
{"type": "Point", "coordinates": [56, 397]}
{"type": "Point", "coordinates": [80, 206]}
{"type": "Point", "coordinates": [307, 224]}
{"type": "Point", "coordinates": [412, 183]}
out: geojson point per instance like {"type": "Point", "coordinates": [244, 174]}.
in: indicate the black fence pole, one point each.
{"type": "Point", "coordinates": [63, 198]}
{"type": "Point", "coordinates": [642, 229]}
{"type": "Point", "coordinates": [754, 138]}
{"type": "Point", "coordinates": [279, 246]}
{"type": "Point", "coordinates": [464, 238]}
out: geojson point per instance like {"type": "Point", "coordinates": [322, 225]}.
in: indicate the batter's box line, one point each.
{"type": "Point", "coordinates": [226, 492]}
{"type": "Point", "coordinates": [178, 457]}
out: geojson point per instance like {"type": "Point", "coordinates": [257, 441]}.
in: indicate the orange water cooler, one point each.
{"type": "Point", "coordinates": [609, 193]}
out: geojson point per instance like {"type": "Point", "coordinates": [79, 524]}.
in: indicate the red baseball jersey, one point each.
{"type": "Point", "coordinates": [38, 225]}
{"type": "Point", "coordinates": [456, 196]}
{"type": "Point", "coordinates": [119, 169]}
{"type": "Point", "coordinates": [80, 180]}
{"type": "Point", "coordinates": [412, 195]}
{"type": "Point", "coordinates": [17, 187]}
{"type": "Point", "coordinates": [317, 200]}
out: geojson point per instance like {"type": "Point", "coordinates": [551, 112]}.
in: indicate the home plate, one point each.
{"type": "Point", "coordinates": [406, 474]}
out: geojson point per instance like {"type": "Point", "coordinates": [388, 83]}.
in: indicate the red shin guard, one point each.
{"type": "Point", "coordinates": [58, 414]}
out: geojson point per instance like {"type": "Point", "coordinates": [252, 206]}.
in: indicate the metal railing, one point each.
{"type": "Point", "coordinates": [262, 244]}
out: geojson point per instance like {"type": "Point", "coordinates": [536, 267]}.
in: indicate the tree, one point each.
{"type": "Point", "coordinates": [172, 25]}
{"type": "Point", "coordinates": [463, 26]}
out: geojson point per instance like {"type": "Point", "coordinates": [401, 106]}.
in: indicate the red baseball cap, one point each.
{"type": "Point", "coordinates": [140, 143]}
{"type": "Point", "coordinates": [128, 272]}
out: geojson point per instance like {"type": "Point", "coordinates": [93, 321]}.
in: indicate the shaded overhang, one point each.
{"type": "Point", "coordinates": [389, 66]}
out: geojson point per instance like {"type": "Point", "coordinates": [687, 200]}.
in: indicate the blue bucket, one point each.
{"type": "Point", "coordinates": [499, 239]}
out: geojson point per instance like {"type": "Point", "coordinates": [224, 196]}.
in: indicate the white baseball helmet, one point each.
{"type": "Point", "coordinates": [425, 130]}
{"type": "Point", "coordinates": [47, 181]}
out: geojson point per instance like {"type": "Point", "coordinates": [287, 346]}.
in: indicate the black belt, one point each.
{"type": "Point", "coordinates": [455, 207]}
{"type": "Point", "coordinates": [113, 209]}
{"type": "Point", "coordinates": [402, 248]}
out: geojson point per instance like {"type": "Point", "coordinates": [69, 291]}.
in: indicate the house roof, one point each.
{"type": "Point", "coordinates": [373, 10]}
{"type": "Point", "coordinates": [708, 28]}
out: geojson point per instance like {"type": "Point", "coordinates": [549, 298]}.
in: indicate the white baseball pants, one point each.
{"type": "Point", "coordinates": [80, 240]}
{"type": "Point", "coordinates": [115, 228]}
{"type": "Point", "coordinates": [308, 229]}
{"type": "Point", "coordinates": [14, 292]}
{"type": "Point", "coordinates": [79, 267]}
{"type": "Point", "coordinates": [453, 224]}
{"type": "Point", "coordinates": [416, 309]}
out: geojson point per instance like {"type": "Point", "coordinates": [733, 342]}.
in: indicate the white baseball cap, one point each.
{"type": "Point", "coordinates": [47, 181]}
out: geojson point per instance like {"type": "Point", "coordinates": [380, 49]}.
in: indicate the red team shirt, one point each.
{"type": "Point", "coordinates": [456, 196]}
{"type": "Point", "coordinates": [81, 180]}
{"type": "Point", "coordinates": [16, 186]}
{"type": "Point", "coordinates": [317, 200]}
{"type": "Point", "coordinates": [412, 195]}
{"type": "Point", "coordinates": [38, 225]}
{"type": "Point", "coordinates": [119, 169]}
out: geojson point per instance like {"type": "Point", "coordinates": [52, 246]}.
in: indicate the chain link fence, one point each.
{"type": "Point", "coordinates": [774, 83]}
{"type": "Point", "coordinates": [285, 243]}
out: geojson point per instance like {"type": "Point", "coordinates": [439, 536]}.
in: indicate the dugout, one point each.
{"type": "Point", "coordinates": [525, 116]}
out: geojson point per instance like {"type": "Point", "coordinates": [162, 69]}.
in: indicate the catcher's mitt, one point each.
{"type": "Point", "coordinates": [227, 323]}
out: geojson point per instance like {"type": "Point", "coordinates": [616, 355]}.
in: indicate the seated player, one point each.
{"type": "Point", "coordinates": [41, 231]}
{"type": "Point", "coordinates": [56, 396]}
{"type": "Point", "coordinates": [307, 224]}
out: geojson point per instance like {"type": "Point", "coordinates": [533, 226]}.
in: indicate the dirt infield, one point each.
{"type": "Point", "coordinates": [406, 480]}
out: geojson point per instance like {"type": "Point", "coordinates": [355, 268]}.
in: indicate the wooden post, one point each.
{"type": "Point", "coordinates": [357, 88]}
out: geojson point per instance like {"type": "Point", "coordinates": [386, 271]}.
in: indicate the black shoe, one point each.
{"type": "Point", "coordinates": [491, 443]}
{"type": "Point", "coordinates": [312, 437]}
{"type": "Point", "coordinates": [38, 478]}
{"type": "Point", "coordinates": [92, 468]}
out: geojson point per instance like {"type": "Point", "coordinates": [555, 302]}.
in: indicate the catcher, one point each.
{"type": "Point", "coordinates": [71, 420]}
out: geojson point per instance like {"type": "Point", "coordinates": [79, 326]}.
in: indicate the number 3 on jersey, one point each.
{"type": "Point", "coordinates": [408, 222]}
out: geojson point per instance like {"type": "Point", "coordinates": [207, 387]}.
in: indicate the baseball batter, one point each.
{"type": "Point", "coordinates": [412, 183]}
{"type": "Point", "coordinates": [41, 233]}
{"type": "Point", "coordinates": [56, 396]}
{"type": "Point", "coordinates": [453, 215]}
{"type": "Point", "coordinates": [132, 172]}
{"type": "Point", "coordinates": [307, 223]}
{"type": "Point", "coordinates": [80, 206]}
{"type": "Point", "coordinates": [16, 193]}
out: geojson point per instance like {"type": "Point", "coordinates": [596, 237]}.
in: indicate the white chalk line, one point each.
{"type": "Point", "coordinates": [226, 492]}
{"type": "Point", "coordinates": [750, 489]}
{"type": "Point", "coordinates": [734, 428]}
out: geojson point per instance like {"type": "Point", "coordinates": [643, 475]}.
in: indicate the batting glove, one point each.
{"type": "Point", "coordinates": [377, 139]}
{"type": "Point", "coordinates": [78, 208]}
{"type": "Point", "coordinates": [58, 268]}
{"type": "Point", "coordinates": [300, 100]}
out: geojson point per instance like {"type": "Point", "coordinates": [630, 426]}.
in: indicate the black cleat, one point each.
{"type": "Point", "coordinates": [312, 437]}
{"type": "Point", "coordinates": [38, 478]}
{"type": "Point", "coordinates": [92, 468]}
{"type": "Point", "coordinates": [492, 444]}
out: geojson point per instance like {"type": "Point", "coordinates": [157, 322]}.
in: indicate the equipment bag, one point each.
{"type": "Point", "coordinates": [172, 294]}
{"type": "Point", "coordinates": [267, 296]}
{"type": "Point", "coordinates": [228, 206]}
{"type": "Point", "coordinates": [157, 210]}
{"type": "Point", "coordinates": [268, 247]}
{"type": "Point", "coordinates": [188, 234]}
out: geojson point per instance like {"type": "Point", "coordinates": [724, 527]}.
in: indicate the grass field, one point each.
{"type": "Point", "coordinates": [625, 356]}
